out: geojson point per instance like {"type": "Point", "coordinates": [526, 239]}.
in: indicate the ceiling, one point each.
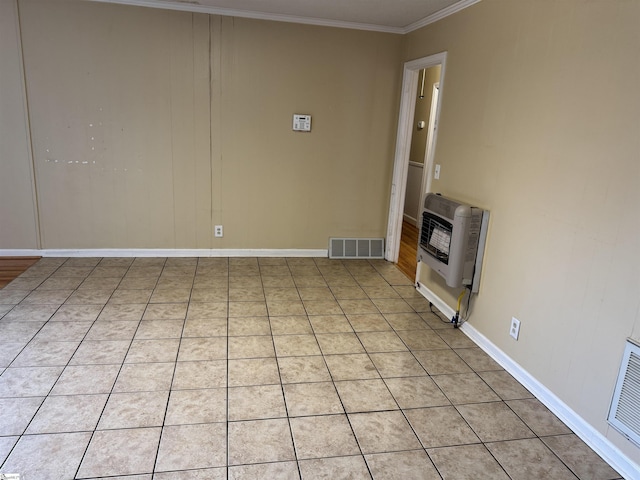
{"type": "Point", "coordinates": [395, 16]}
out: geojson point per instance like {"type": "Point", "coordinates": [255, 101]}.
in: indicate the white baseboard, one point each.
{"type": "Point", "coordinates": [409, 219]}
{"type": "Point", "coordinates": [164, 252]}
{"type": "Point", "coordinates": [593, 438]}
{"type": "Point", "coordinates": [20, 252]}
{"type": "Point", "coordinates": [437, 301]}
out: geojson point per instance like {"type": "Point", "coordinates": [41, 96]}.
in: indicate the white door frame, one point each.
{"type": "Point", "coordinates": [426, 167]}
{"type": "Point", "coordinates": [427, 174]}
{"type": "Point", "coordinates": [403, 146]}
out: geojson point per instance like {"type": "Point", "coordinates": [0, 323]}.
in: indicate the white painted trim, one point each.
{"type": "Point", "coordinates": [589, 435]}
{"type": "Point", "coordinates": [275, 17]}
{"type": "Point", "coordinates": [410, 219]}
{"type": "Point", "coordinates": [403, 146]}
{"type": "Point", "coordinates": [430, 151]}
{"type": "Point", "coordinates": [165, 252]}
{"type": "Point", "coordinates": [24, 252]}
{"type": "Point", "coordinates": [445, 12]}
{"type": "Point", "coordinates": [436, 300]}
{"type": "Point", "coordinates": [279, 17]}
{"type": "Point", "coordinates": [401, 163]}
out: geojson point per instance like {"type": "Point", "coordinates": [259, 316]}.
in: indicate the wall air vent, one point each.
{"type": "Point", "coordinates": [356, 248]}
{"type": "Point", "coordinates": [624, 414]}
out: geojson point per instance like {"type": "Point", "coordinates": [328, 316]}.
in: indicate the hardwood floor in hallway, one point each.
{"type": "Point", "coordinates": [407, 259]}
{"type": "Point", "coordinates": [11, 267]}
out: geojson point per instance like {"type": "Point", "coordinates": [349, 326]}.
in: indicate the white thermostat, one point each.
{"type": "Point", "coordinates": [301, 123]}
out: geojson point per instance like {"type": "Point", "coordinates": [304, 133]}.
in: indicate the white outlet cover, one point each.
{"type": "Point", "coordinates": [514, 330]}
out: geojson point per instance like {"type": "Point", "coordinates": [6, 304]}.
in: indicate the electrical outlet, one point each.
{"type": "Point", "coordinates": [514, 331]}
{"type": "Point", "coordinates": [217, 231]}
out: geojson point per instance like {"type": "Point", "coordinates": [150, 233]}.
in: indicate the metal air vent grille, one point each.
{"type": "Point", "coordinates": [356, 248]}
{"type": "Point", "coordinates": [624, 414]}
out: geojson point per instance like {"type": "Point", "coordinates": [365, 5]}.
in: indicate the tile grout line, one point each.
{"type": "Point", "coordinates": [48, 395]}
{"type": "Point", "coordinates": [346, 414]}
{"type": "Point", "coordinates": [401, 410]}
{"type": "Point", "coordinates": [71, 357]}
{"type": "Point", "coordinates": [284, 397]}
{"type": "Point", "coordinates": [109, 395]}
{"type": "Point", "coordinates": [227, 419]}
{"type": "Point", "coordinates": [175, 363]}
{"type": "Point", "coordinates": [22, 350]}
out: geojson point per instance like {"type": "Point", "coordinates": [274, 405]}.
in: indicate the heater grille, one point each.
{"type": "Point", "coordinates": [624, 414]}
{"type": "Point", "coordinates": [435, 236]}
{"type": "Point", "coordinates": [356, 248]}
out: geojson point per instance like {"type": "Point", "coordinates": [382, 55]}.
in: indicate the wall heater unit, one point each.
{"type": "Point", "coordinates": [452, 238]}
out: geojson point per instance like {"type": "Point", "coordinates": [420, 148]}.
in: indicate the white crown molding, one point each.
{"type": "Point", "coordinates": [278, 17]}
{"type": "Point", "coordinates": [445, 12]}
{"type": "Point", "coordinates": [165, 252]}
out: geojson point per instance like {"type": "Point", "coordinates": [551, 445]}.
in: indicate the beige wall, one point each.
{"type": "Point", "coordinates": [118, 100]}
{"type": "Point", "coordinates": [285, 189]}
{"type": "Point", "coordinates": [540, 123]}
{"type": "Point", "coordinates": [18, 225]}
{"type": "Point", "coordinates": [151, 126]}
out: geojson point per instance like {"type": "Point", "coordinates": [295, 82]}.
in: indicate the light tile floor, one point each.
{"type": "Point", "coordinates": [269, 368]}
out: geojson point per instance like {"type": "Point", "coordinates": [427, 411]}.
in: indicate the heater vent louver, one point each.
{"type": "Point", "coordinates": [624, 414]}
{"type": "Point", "coordinates": [356, 248]}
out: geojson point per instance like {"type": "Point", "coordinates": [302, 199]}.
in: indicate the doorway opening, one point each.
{"type": "Point", "coordinates": [413, 165]}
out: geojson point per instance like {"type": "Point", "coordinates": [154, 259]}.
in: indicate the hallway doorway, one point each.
{"type": "Point", "coordinates": [413, 168]}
